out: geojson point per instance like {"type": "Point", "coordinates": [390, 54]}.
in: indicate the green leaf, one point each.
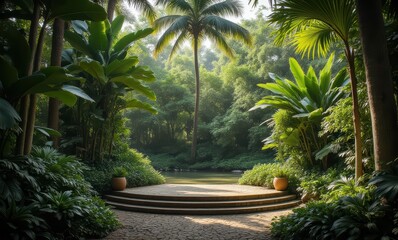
{"type": "Point", "coordinates": [98, 38]}
{"type": "Point", "coordinates": [325, 75]}
{"type": "Point", "coordinates": [78, 42]}
{"type": "Point", "coordinates": [117, 25]}
{"type": "Point", "coordinates": [142, 73]}
{"type": "Point", "coordinates": [136, 85]}
{"type": "Point", "coordinates": [65, 97]}
{"type": "Point", "coordinates": [79, 26]}
{"type": "Point", "coordinates": [77, 92]}
{"type": "Point", "coordinates": [95, 69]}
{"type": "Point", "coordinates": [48, 132]}
{"type": "Point", "coordinates": [135, 103]}
{"type": "Point", "coordinates": [76, 10]}
{"type": "Point", "coordinates": [297, 72]}
{"type": "Point", "coordinates": [127, 40]}
{"type": "Point", "coordinates": [8, 116]}
{"type": "Point", "coordinates": [22, 87]}
{"type": "Point", "coordinates": [9, 74]}
{"type": "Point", "coordinates": [117, 67]}
{"type": "Point", "coordinates": [17, 49]}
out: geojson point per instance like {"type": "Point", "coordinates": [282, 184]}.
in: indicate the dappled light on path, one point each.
{"type": "Point", "coordinates": [146, 226]}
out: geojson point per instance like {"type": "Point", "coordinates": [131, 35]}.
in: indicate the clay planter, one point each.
{"type": "Point", "coordinates": [280, 184]}
{"type": "Point", "coordinates": [119, 183]}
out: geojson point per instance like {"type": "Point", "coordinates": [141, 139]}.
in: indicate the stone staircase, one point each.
{"type": "Point", "coordinates": [202, 205]}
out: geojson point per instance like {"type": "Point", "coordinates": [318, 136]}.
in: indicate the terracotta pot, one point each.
{"type": "Point", "coordinates": [280, 184]}
{"type": "Point", "coordinates": [119, 183]}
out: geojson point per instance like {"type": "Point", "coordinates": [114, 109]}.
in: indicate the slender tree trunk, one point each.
{"type": "Point", "coordinates": [56, 57]}
{"type": "Point", "coordinates": [356, 116]}
{"type": "Point", "coordinates": [111, 9]}
{"type": "Point", "coordinates": [197, 92]}
{"type": "Point", "coordinates": [24, 106]}
{"type": "Point", "coordinates": [33, 98]}
{"type": "Point", "coordinates": [379, 83]}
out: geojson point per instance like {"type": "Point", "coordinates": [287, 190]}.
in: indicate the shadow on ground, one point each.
{"type": "Point", "coordinates": [146, 226]}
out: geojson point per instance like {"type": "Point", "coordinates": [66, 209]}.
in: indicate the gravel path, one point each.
{"type": "Point", "coordinates": [146, 226]}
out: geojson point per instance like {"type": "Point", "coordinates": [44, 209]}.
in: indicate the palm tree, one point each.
{"type": "Point", "coordinates": [379, 83]}
{"type": "Point", "coordinates": [313, 25]}
{"type": "Point", "coordinates": [194, 20]}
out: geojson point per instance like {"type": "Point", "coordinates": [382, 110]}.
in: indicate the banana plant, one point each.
{"type": "Point", "coordinates": [307, 99]}
{"type": "Point", "coordinates": [113, 79]}
{"type": "Point", "coordinates": [15, 84]}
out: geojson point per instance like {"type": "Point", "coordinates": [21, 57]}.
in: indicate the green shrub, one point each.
{"type": "Point", "coordinates": [45, 194]}
{"type": "Point", "coordinates": [243, 161]}
{"type": "Point", "coordinates": [139, 172]}
{"type": "Point", "coordinates": [311, 222]}
{"type": "Point", "coordinates": [344, 216]}
{"type": "Point", "coordinates": [343, 187]}
{"type": "Point", "coordinates": [315, 184]}
{"type": "Point", "coordinates": [101, 220]}
{"type": "Point", "coordinates": [263, 175]}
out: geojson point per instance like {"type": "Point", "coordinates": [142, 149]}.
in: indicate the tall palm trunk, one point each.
{"type": "Point", "coordinates": [111, 9]}
{"type": "Point", "coordinates": [197, 92]}
{"type": "Point", "coordinates": [379, 83]}
{"type": "Point", "coordinates": [24, 106]}
{"type": "Point", "coordinates": [355, 109]}
{"type": "Point", "coordinates": [56, 56]}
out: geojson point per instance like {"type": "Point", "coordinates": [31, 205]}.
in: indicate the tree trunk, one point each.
{"type": "Point", "coordinates": [111, 9]}
{"type": "Point", "coordinates": [197, 92]}
{"type": "Point", "coordinates": [379, 83]}
{"type": "Point", "coordinates": [24, 106]}
{"type": "Point", "coordinates": [56, 57]}
{"type": "Point", "coordinates": [32, 98]}
{"type": "Point", "coordinates": [356, 116]}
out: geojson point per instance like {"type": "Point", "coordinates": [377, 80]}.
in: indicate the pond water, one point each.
{"type": "Point", "coordinates": [201, 177]}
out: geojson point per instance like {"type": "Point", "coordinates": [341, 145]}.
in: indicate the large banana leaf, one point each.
{"type": "Point", "coordinates": [118, 67]}
{"type": "Point", "coordinates": [135, 103]}
{"type": "Point", "coordinates": [8, 116]}
{"type": "Point", "coordinates": [16, 48]}
{"type": "Point", "coordinates": [95, 69]}
{"type": "Point", "coordinates": [98, 38]}
{"type": "Point", "coordinates": [80, 44]}
{"type": "Point", "coordinates": [76, 10]}
{"type": "Point", "coordinates": [127, 40]}
{"type": "Point", "coordinates": [132, 83]}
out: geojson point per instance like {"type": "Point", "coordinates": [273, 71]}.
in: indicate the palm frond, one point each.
{"type": "Point", "coordinates": [177, 44]}
{"type": "Point", "coordinates": [164, 22]}
{"type": "Point", "coordinates": [296, 16]}
{"type": "Point", "coordinates": [146, 7]}
{"type": "Point", "coordinates": [315, 39]}
{"type": "Point", "coordinates": [227, 27]}
{"type": "Point", "coordinates": [180, 6]}
{"type": "Point", "coordinates": [224, 8]}
{"type": "Point", "coordinates": [217, 38]}
{"type": "Point", "coordinates": [178, 26]}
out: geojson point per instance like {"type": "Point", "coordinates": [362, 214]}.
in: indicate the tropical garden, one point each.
{"type": "Point", "coordinates": [306, 89]}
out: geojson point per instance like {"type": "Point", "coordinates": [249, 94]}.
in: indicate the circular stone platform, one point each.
{"type": "Point", "coordinates": [200, 190]}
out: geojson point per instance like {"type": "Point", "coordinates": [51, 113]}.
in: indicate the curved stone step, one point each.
{"type": "Point", "coordinates": [199, 204]}
{"type": "Point", "coordinates": [205, 211]}
{"type": "Point", "coordinates": [199, 198]}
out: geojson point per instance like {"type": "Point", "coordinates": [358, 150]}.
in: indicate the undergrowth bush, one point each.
{"type": "Point", "coordinates": [263, 175]}
{"type": "Point", "coordinates": [138, 167]}
{"type": "Point", "coordinates": [45, 195]}
{"type": "Point", "coordinates": [244, 161]}
{"type": "Point", "coordinates": [348, 210]}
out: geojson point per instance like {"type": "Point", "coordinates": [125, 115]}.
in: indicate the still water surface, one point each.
{"type": "Point", "coordinates": [201, 177]}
